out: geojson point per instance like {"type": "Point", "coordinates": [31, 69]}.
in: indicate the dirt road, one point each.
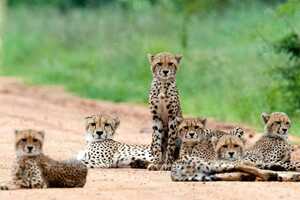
{"type": "Point", "coordinates": [61, 116]}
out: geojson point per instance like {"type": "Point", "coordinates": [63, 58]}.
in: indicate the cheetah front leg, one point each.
{"type": "Point", "coordinates": [172, 136]}
{"type": "Point", "coordinates": [10, 186]}
{"type": "Point", "coordinates": [156, 145]}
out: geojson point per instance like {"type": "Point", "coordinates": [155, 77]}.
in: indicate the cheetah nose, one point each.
{"type": "Point", "coordinates": [192, 134]}
{"type": "Point", "coordinates": [165, 72]}
{"type": "Point", "coordinates": [99, 133]}
{"type": "Point", "coordinates": [30, 148]}
{"type": "Point", "coordinates": [231, 154]}
{"type": "Point", "coordinates": [284, 130]}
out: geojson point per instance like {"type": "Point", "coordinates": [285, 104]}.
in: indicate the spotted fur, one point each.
{"type": "Point", "coordinates": [203, 161]}
{"type": "Point", "coordinates": [103, 151]}
{"type": "Point", "coordinates": [229, 147]}
{"type": "Point", "coordinates": [201, 142]}
{"type": "Point", "coordinates": [33, 169]}
{"type": "Point", "coordinates": [165, 109]}
{"type": "Point", "coordinates": [272, 150]}
{"type": "Point", "coordinates": [196, 169]}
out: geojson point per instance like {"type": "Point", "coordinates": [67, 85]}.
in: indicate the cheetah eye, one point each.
{"type": "Point", "coordinates": [225, 146]}
{"type": "Point", "coordinates": [93, 124]}
{"type": "Point", "coordinates": [186, 127]}
{"type": "Point", "coordinates": [35, 140]}
{"type": "Point", "coordinates": [287, 123]}
{"type": "Point", "coordinates": [159, 64]}
{"type": "Point", "coordinates": [24, 140]}
{"type": "Point", "coordinates": [196, 127]}
{"type": "Point", "coordinates": [236, 146]}
{"type": "Point", "coordinates": [106, 124]}
{"type": "Point", "coordinates": [278, 122]}
{"type": "Point", "coordinates": [170, 64]}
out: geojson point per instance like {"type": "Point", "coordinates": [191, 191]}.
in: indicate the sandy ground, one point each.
{"type": "Point", "coordinates": [61, 116]}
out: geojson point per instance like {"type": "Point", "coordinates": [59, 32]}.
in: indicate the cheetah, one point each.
{"type": "Point", "coordinates": [229, 147]}
{"type": "Point", "coordinates": [272, 150]}
{"type": "Point", "coordinates": [192, 132]}
{"type": "Point", "coordinates": [200, 142]}
{"type": "Point", "coordinates": [165, 109]}
{"type": "Point", "coordinates": [103, 151]}
{"type": "Point", "coordinates": [196, 169]}
{"type": "Point", "coordinates": [33, 169]}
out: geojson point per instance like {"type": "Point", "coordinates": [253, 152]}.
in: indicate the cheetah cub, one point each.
{"type": "Point", "coordinates": [33, 169]}
{"type": "Point", "coordinates": [104, 152]}
{"type": "Point", "coordinates": [272, 150]}
{"type": "Point", "coordinates": [194, 141]}
{"type": "Point", "coordinates": [165, 109]}
{"type": "Point", "coordinates": [229, 147]}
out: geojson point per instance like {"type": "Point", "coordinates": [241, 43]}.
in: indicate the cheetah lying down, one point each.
{"type": "Point", "coordinates": [104, 152]}
{"type": "Point", "coordinates": [195, 169]}
{"type": "Point", "coordinates": [33, 169]}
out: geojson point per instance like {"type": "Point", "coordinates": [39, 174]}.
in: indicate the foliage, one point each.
{"type": "Point", "coordinates": [286, 75]}
{"type": "Point", "coordinates": [290, 44]}
{"type": "Point", "coordinates": [289, 8]}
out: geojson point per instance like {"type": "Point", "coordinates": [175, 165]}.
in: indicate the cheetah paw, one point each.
{"type": "Point", "coordinates": [166, 167]}
{"type": "Point", "coordinates": [3, 187]}
{"type": "Point", "coordinates": [153, 167]}
{"type": "Point", "coordinates": [297, 166]}
{"type": "Point", "coordinates": [80, 156]}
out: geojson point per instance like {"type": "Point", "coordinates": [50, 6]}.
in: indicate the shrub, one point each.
{"type": "Point", "coordinates": [285, 87]}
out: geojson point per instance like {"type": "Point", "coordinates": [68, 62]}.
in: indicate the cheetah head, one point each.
{"type": "Point", "coordinates": [29, 142]}
{"type": "Point", "coordinates": [228, 147]}
{"type": "Point", "coordinates": [191, 129]}
{"type": "Point", "coordinates": [100, 127]}
{"type": "Point", "coordinates": [277, 123]}
{"type": "Point", "coordinates": [164, 65]}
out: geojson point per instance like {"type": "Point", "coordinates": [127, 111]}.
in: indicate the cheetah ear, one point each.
{"type": "Point", "coordinates": [265, 117]}
{"type": "Point", "coordinates": [204, 120]}
{"type": "Point", "coordinates": [178, 58]}
{"type": "Point", "coordinates": [179, 120]}
{"type": "Point", "coordinates": [237, 131]}
{"type": "Point", "coordinates": [88, 118]}
{"type": "Point", "coordinates": [16, 131]}
{"type": "Point", "coordinates": [116, 122]}
{"type": "Point", "coordinates": [42, 133]}
{"type": "Point", "coordinates": [150, 58]}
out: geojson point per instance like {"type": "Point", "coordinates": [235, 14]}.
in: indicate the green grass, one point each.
{"type": "Point", "coordinates": [102, 54]}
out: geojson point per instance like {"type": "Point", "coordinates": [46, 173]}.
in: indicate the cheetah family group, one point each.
{"type": "Point", "coordinates": [184, 146]}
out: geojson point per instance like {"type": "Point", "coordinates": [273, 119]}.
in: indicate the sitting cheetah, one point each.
{"type": "Point", "coordinates": [272, 150]}
{"type": "Point", "coordinates": [165, 109]}
{"type": "Point", "coordinates": [192, 132]}
{"type": "Point", "coordinates": [33, 169]}
{"type": "Point", "coordinates": [104, 152]}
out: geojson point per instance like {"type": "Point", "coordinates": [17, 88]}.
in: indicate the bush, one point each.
{"type": "Point", "coordinates": [289, 44]}
{"type": "Point", "coordinates": [286, 76]}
